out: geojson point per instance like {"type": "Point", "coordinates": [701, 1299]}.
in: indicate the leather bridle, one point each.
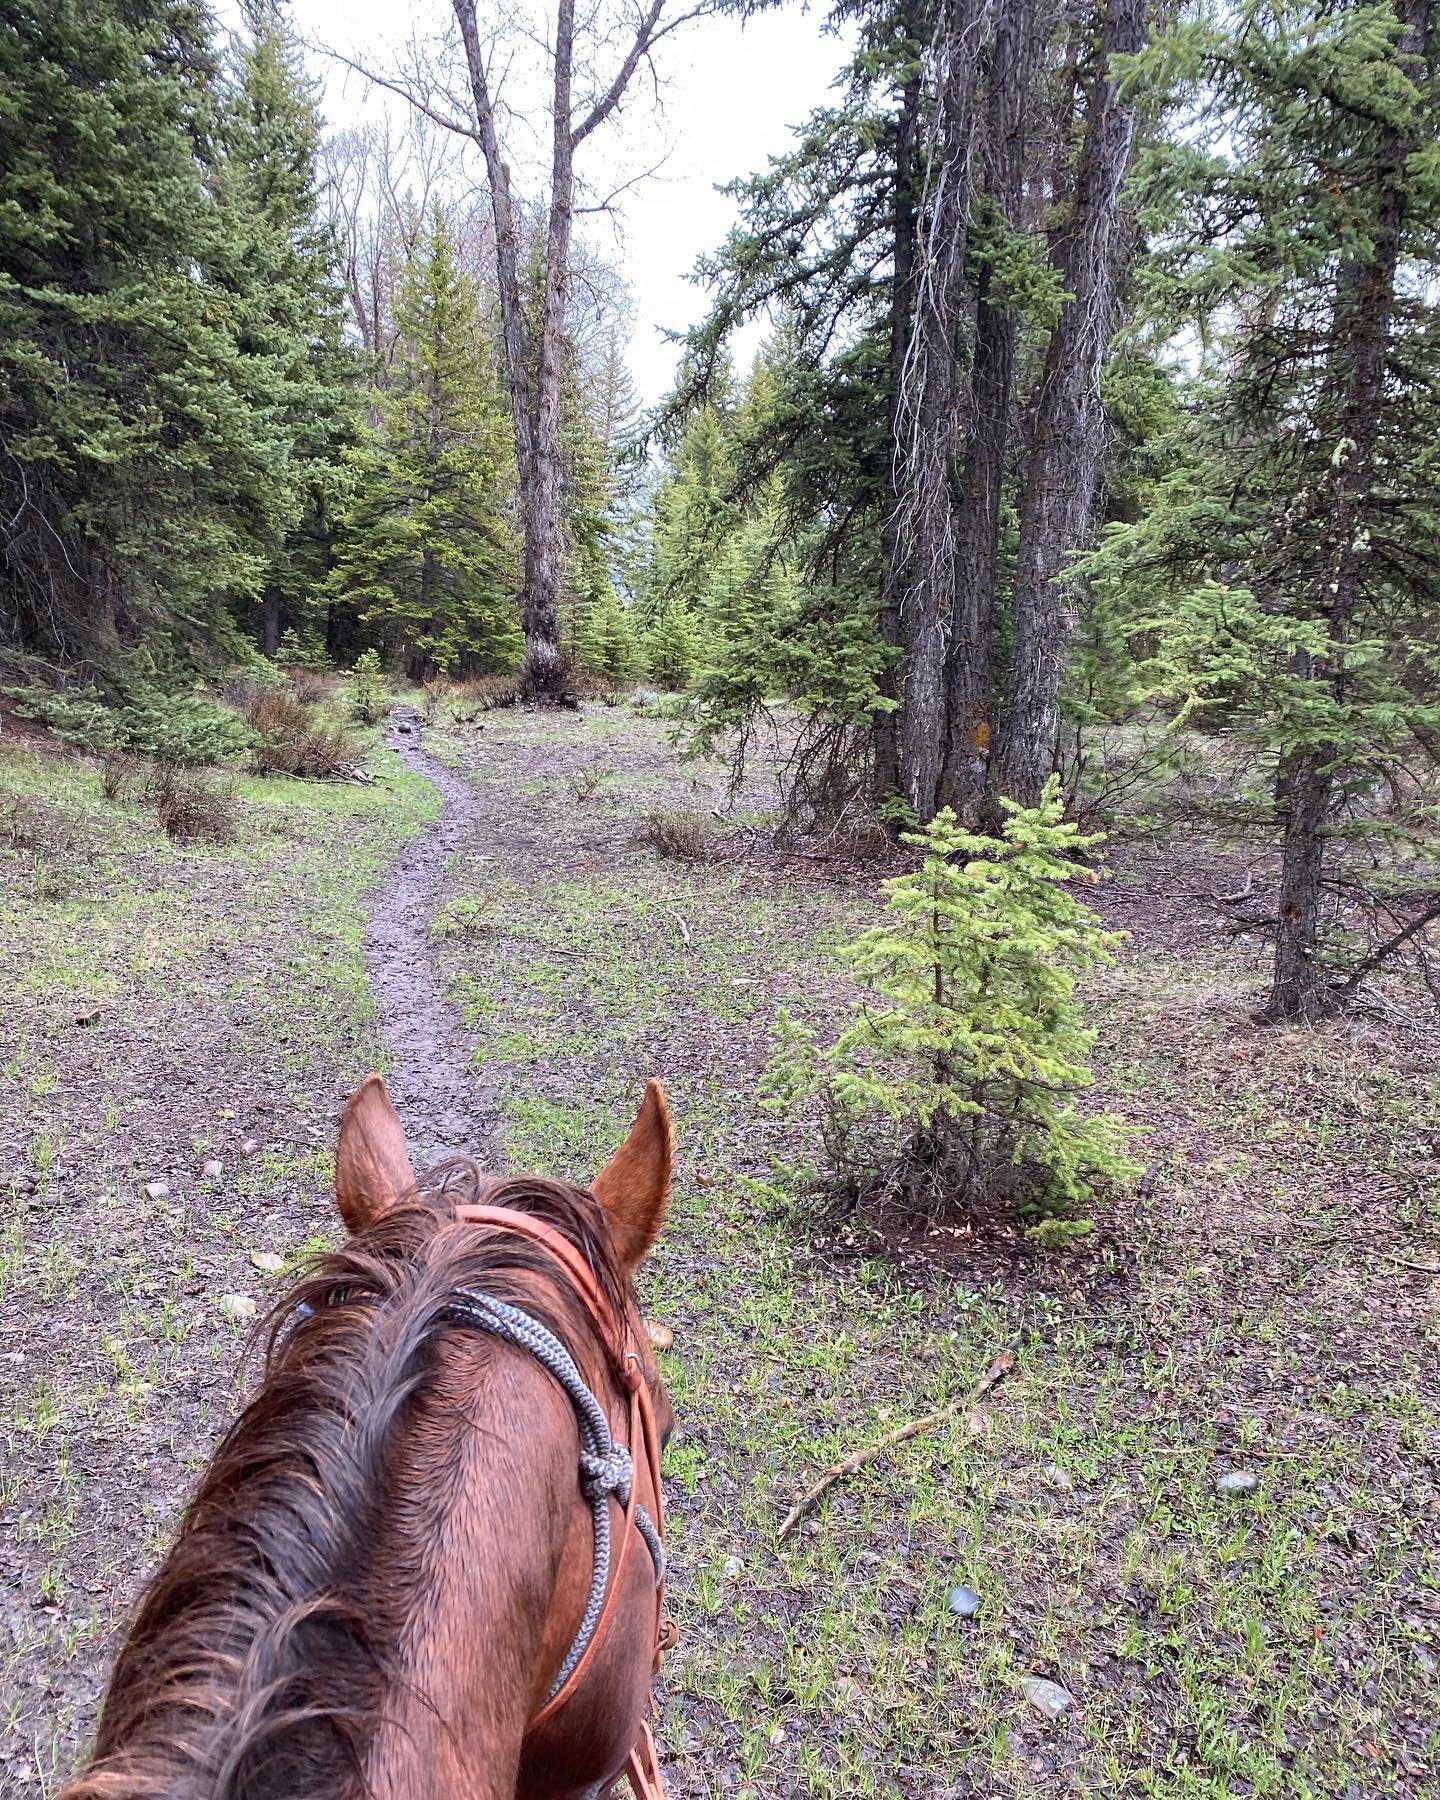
{"type": "Point", "coordinates": [616, 1335]}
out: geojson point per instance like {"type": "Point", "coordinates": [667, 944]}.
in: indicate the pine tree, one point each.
{"type": "Point", "coordinates": [284, 270]}
{"type": "Point", "coordinates": [428, 556]}
{"type": "Point", "coordinates": [1288, 563]}
{"type": "Point", "coordinates": [143, 462]}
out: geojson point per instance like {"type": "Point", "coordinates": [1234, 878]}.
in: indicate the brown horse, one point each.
{"type": "Point", "coordinates": [391, 1580]}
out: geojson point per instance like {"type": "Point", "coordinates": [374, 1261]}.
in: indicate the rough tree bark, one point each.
{"type": "Point", "coordinates": [970, 673]}
{"type": "Point", "coordinates": [892, 575]}
{"type": "Point", "coordinates": [1066, 435]}
{"type": "Point", "coordinates": [534, 357]}
{"type": "Point", "coordinates": [930, 416]}
{"type": "Point", "coordinates": [1364, 307]}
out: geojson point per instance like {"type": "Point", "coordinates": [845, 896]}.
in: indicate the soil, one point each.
{"type": "Point", "coordinates": [445, 1106]}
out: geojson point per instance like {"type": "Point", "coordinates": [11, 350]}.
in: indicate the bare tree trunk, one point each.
{"type": "Point", "coordinates": [970, 673]}
{"type": "Point", "coordinates": [1058, 487]}
{"type": "Point", "coordinates": [1364, 307]}
{"type": "Point", "coordinates": [535, 398]}
{"type": "Point", "coordinates": [892, 574]}
{"type": "Point", "coordinates": [930, 415]}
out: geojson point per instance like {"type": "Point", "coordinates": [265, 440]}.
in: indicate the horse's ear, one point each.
{"type": "Point", "coordinates": [634, 1186]}
{"type": "Point", "coordinates": [372, 1165]}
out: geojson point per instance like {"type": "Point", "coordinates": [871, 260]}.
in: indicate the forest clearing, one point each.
{"type": "Point", "coordinates": [1253, 1308]}
{"type": "Point", "coordinates": [719, 899]}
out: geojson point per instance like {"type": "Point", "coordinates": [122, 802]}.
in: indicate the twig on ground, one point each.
{"type": "Point", "coordinates": [1403, 1262]}
{"type": "Point", "coordinates": [684, 929]}
{"type": "Point", "coordinates": [999, 1368]}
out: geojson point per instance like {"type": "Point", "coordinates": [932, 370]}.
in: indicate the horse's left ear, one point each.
{"type": "Point", "coordinates": [634, 1186]}
{"type": "Point", "coordinates": [372, 1165]}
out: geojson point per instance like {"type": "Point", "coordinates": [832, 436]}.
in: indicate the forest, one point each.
{"type": "Point", "coordinates": [975, 738]}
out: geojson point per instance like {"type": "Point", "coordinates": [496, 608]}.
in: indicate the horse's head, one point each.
{"type": "Point", "coordinates": [373, 1173]}
{"type": "Point", "coordinates": [585, 1710]}
{"type": "Point", "coordinates": [427, 1558]}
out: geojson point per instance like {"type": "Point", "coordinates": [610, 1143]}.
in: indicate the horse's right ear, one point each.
{"type": "Point", "coordinates": [372, 1165]}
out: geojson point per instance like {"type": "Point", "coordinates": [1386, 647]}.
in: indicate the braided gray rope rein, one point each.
{"type": "Point", "coordinates": [606, 1467]}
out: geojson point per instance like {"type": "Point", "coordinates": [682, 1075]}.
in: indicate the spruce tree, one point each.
{"type": "Point", "coordinates": [284, 270]}
{"type": "Point", "coordinates": [143, 462]}
{"type": "Point", "coordinates": [428, 556]}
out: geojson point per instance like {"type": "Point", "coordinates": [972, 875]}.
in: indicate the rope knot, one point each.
{"type": "Point", "coordinates": [610, 1474]}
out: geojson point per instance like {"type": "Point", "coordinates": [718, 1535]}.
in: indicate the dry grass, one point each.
{"type": "Point", "coordinates": [191, 808]}
{"type": "Point", "coordinates": [680, 835]}
{"type": "Point", "coordinates": [294, 740]}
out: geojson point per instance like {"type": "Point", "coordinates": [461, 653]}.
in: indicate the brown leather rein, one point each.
{"type": "Point", "coordinates": [642, 1769]}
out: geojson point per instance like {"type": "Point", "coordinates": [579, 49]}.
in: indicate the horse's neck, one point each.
{"type": "Point", "coordinates": [477, 1642]}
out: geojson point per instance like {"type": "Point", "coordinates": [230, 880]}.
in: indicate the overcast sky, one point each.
{"type": "Point", "coordinates": [730, 94]}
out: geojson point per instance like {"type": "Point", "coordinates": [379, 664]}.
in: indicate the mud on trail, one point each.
{"type": "Point", "coordinates": [432, 1078]}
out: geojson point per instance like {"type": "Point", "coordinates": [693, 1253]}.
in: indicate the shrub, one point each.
{"type": "Point", "coordinates": [677, 834]}
{"type": "Point", "coordinates": [176, 728]}
{"type": "Point", "coordinates": [954, 1086]}
{"type": "Point", "coordinates": [369, 697]}
{"type": "Point", "coordinates": [587, 782]}
{"type": "Point", "coordinates": [292, 739]}
{"type": "Point", "coordinates": [189, 806]}
{"type": "Point", "coordinates": [117, 768]}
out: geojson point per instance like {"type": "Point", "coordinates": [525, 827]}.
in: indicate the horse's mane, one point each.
{"type": "Point", "coordinates": [260, 1659]}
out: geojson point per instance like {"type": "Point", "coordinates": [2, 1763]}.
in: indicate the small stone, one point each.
{"type": "Point", "coordinates": [1048, 1698]}
{"type": "Point", "coordinates": [158, 1190]}
{"type": "Point", "coordinates": [239, 1307]}
{"type": "Point", "coordinates": [964, 1602]}
{"type": "Point", "coordinates": [213, 1170]}
{"type": "Point", "coordinates": [661, 1336]}
{"type": "Point", "coordinates": [1058, 1478]}
{"type": "Point", "coordinates": [733, 1568]}
{"type": "Point", "coordinates": [1237, 1482]}
{"type": "Point", "coordinates": [250, 1146]}
{"type": "Point", "coordinates": [267, 1261]}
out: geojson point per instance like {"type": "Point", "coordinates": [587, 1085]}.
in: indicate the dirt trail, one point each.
{"type": "Point", "coordinates": [434, 1083]}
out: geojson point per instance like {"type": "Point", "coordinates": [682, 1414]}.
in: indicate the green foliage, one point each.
{"type": "Point", "coordinates": [369, 700]}
{"type": "Point", "coordinates": [172, 728]}
{"type": "Point", "coordinates": [152, 362]}
{"type": "Point", "coordinates": [672, 653]}
{"type": "Point", "coordinates": [955, 1084]}
{"type": "Point", "coordinates": [428, 556]}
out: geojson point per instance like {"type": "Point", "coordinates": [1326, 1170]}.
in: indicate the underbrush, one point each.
{"type": "Point", "coordinates": [293, 738]}
{"type": "Point", "coordinates": [192, 807]}
{"type": "Point", "coordinates": [679, 835]}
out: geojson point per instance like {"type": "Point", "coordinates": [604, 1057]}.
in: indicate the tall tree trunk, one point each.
{"type": "Point", "coordinates": [1364, 307]}
{"type": "Point", "coordinates": [930, 415]}
{"type": "Point", "coordinates": [970, 673]}
{"type": "Point", "coordinates": [1058, 484]}
{"type": "Point", "coordinates": [886, 729]}
{"type": "Point", "coordinates": [269, 622]}
{"type": "Point", "coordinates": [535, 400]}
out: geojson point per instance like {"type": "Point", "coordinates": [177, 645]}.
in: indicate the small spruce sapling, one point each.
{"type": "Point", "coordinates": [954, 1087]}
{"type": "Point", "coordinates": [368, 698]}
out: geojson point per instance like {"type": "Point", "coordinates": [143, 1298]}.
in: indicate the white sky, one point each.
{"type": "Point", "coordinates": [729, 96]}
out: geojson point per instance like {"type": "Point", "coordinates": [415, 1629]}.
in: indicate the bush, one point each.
{"type": "Point", "coordinates": [117, 768]}
{"type": "Point", "coordinates": [291, 739]}
{"type": "Point", "coordinates": [191, 807]}
{"type": "Point", "coordinates": [369, 696]}
{"type": "Point", "coordinates": [587, 782]}
{"type": "Point", "coordinates": [677, 834]}
{"type": "Point", "coordinates": [954, 1087]}
{"type": "Point", "coordinates": [176, 728]}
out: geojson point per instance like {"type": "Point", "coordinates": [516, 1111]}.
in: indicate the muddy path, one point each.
{"type": "Point", "coordinates": [440, 1095]}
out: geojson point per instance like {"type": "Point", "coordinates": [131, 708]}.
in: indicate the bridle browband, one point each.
{"type": "Point", "coordinates": [607, 1470]}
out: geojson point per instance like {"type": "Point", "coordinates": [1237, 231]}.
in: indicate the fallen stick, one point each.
{"type": "Point", "coordinates": [1402, 1262]}
{"type": "Point", "coordinates": [852, 1464]}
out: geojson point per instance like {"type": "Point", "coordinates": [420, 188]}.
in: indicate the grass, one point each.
{"type": "Point", "coordinates": [1236, 1312]}
{"type": "Point", "coordinates": [1273, 1644]}
{"type": "Point", "coordinates": [224, 1002]}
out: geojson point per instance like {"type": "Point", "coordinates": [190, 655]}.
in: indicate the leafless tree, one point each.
{"type": "Point", "coordinates": [593, 56]}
